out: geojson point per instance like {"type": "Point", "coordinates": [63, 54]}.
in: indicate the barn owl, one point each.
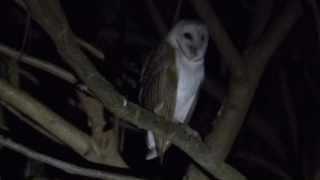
{"type": "Point", "coordinates": [171, 78]}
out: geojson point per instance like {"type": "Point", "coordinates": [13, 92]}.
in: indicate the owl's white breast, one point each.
{"type": "Point", "coordinates": [190, 76]}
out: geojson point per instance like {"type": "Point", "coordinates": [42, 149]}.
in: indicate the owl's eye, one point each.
{"type": "Point", "coordinates": [187, 36]}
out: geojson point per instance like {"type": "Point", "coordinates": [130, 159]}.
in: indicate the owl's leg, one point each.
{"type": "Point", "coordinates": [151, 144]}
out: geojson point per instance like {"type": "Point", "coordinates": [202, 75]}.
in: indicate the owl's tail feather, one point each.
{"type": "Point", "coordinates": [152, 153]}
{"type": "Point", "coordinates": [162, 146]}
{"type": "Point", "coordinates": [161, 157]}
{"type": "Point", "coordinates": [152, 146]}
{"type": "Point", "coordinates": [157, 146]}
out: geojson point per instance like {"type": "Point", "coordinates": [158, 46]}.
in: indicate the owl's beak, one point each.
{"type": "Point", "coordinates": [193, 53]}
{"type": "Point", "coordinates": [193, 50]}
{"type": "Point", "coordinates": [189, 51]}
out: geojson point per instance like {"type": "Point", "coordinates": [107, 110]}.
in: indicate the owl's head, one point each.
{"type": "Point", "coordinates": [190, 38]}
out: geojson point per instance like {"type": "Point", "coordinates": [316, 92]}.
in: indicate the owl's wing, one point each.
{"type": "Point", "coordinates": [192, 108]}
{"type": "Point", "coordinates": [159, 82]}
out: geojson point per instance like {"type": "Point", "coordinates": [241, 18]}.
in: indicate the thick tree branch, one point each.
{"type": "Point", "coordinates": [242, 86]}
{"type": "Point", "coordinates": [62, 165]}
{"type": "Point", "coordinates": [53, 123]}
{"type": "Point", "coordinates": [31, 123]}
{"type": "Point", "coordinates": [105, 155]}
{"type": "Point", "coordinates": [219, 35]}
{"type": "Point", "coordinates": [80, 142]}
{"type": "Point", "coordinates": [50, 16]}
{"type": "Point", "coordinates": [257, 61]}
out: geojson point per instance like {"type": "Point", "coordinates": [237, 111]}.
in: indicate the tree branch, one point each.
{"type": "Point", "coordinates": [62, 165]}
{"type": "Point", "coordinates": [40, 64]}
{"type": "Point", "coordinates": [53, 123]}
{"type": "Point", "coordinates": [260, 18]}
{"type": "Point", "coordinates": [289, 107]}
{"type": "Point", "coordinates": [219, 35]}
{"type": "Point", "coordinates": [266, 165]}
{"type": "Point", "coordinates": [242, 86]}
{"type": "Point", "coordinates": [94, 51]}
{"type": "Point", "coordinates": [31, 123]}
{"type": "Point", "coordinates": [316, 16]}
{"type": "Point", "coordinates": [160, 24]}
{"type": "Point", "coordinates": [65, 132]}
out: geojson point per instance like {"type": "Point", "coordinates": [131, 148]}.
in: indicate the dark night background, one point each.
{"type": "Point", "coordinates": [280, 137]}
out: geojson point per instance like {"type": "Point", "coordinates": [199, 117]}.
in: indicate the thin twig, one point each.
{"type": "Point", "coordinates": [44, 66]}
{"type": "Point", "coordinates": [290, 110]}
{"type": "Point", "coordinates": [94, 51]}
{"type": "Point", "coordinates": [260, 18]}
{"type": "Point", "coordinates": [266, 165]}
{"type": "Point", "coordinates": [312, 85]}
{"type": "Point", "coordinates": [62, 165]}
{"type": "Point", "coordinates": [316, 14]}
{"type": "Point", "coordinates": [262, 129]}
{"type": "Point", "coordinates": [30, 123]}
{"type": "Point", "coordinates": [25, 36]}
{"type": "Point", "coordinates": [98, 54]}
{"type": "Point", "coordinates": [40, 64]}
{"type": "Point", "coordinates": [219, 35]}
{"type": "Point", "coordinates": [160, 24]}
{"type": "Point", "coordinates": [177, 12]}
{"type": "Point", "coordinates": [20, 3]}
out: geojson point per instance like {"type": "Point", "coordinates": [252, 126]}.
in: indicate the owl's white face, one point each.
{"type": "Point", "coordinates": [190, 38]}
